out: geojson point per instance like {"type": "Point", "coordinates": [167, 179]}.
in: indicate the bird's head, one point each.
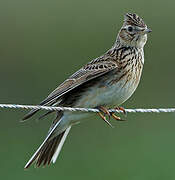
{"type": "Point", "coordinates": [134, 31]}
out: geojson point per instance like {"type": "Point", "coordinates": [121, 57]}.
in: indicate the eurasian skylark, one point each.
{"type": "Point", "coordinates": [106, 81]}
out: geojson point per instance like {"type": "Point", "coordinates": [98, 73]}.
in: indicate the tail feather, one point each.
{"type": "Point", "coordinates": [46, 153]}
{"type": "Point", "coordinates": [57, 152]}
{"type": "Point", "coordinates": [35, 155]}
{"type": "Point", "coordinates": [49, 150]}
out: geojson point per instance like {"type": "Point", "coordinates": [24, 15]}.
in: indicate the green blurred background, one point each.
{"type": "Point", "coordinates": [42, 42]}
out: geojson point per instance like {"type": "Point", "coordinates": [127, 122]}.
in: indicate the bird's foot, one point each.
{"type": "Point", "coordinates": [103, 113]}
{"type": "Point", "coordinates": [117, 117]}
{"type": "Point", "coordinates": [121, 109]}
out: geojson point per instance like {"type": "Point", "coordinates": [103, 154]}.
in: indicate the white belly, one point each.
{"type": "Point", "coordinates": [109, 96]}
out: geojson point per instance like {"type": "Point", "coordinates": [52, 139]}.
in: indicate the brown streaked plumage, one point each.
{"type": "Point", "coordinates": [106, 81]}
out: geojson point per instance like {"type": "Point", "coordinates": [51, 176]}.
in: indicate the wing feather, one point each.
{"type": "Point", "coordinates": [90, 71]}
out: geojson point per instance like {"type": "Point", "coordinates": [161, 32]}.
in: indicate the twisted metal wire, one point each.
{"type": "Point", "coordinates": [52, 108]}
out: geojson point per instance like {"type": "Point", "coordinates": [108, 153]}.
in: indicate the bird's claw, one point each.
{"type": "Point", "coordinates": [103, 112]}
{"type": "Point", "coordinates": [104, 118]}
{"type": "Point", "coordinates": [121, 109]}
{"type": "Point", "coordinates": [117, 117]}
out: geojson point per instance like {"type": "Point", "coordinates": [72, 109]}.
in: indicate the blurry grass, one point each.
{"type": "Point", "coordinates": [42, 43]}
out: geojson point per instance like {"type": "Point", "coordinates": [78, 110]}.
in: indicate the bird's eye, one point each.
{"type": "Point", "coordinates": [130, 28]}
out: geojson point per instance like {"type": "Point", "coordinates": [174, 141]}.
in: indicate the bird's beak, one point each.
{"type": "Point", "coordinates": [147, 30]}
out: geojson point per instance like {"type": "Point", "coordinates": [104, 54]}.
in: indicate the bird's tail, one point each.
{"type": "Point", "coordinates": [49, 149]}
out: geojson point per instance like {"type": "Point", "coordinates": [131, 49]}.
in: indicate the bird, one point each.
{"type": "Point", "coordinates": [106, 81]}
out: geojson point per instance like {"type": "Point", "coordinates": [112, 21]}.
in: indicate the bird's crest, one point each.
{"type": "Point", "coordinates": [134, 19]}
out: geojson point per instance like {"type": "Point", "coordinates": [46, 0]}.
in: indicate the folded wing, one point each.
{"type": "Point", "coordinates": [90, 71]}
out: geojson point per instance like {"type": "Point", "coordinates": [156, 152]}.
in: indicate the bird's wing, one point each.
{"type": "Point", "coordinates": [92, 70]}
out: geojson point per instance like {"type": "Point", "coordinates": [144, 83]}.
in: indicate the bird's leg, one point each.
{"type": "Point", "coordinates": [105, 112]}
{"type": "Point", "coordinates": [117, 117]}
